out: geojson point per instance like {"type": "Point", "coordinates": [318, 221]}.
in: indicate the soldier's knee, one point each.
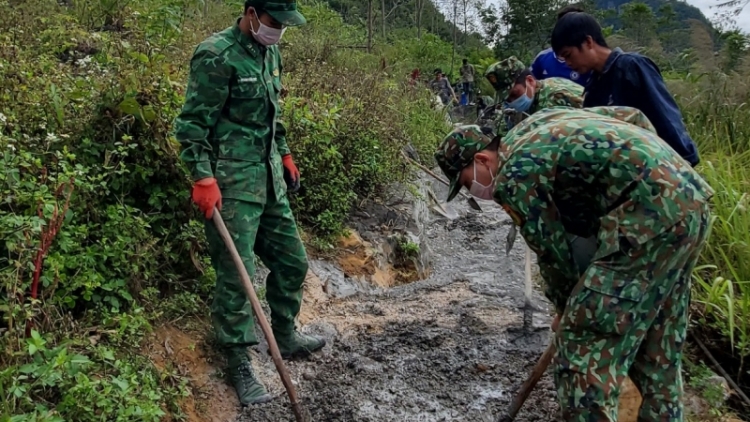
{"type": "Point", "coordinates": [296, 268]}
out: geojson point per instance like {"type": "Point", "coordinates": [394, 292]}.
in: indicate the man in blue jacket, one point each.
{"type": "Point", "coordinates": [621, 79]}
{"type": "Point", "coordinates": [548, 65]}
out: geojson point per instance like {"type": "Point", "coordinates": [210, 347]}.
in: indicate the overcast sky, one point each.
{"type": "Point", "coordinates": [743, 20]}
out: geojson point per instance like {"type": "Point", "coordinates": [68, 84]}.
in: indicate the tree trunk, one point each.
{"type": "Point", "coordinates": [466, 23]}
{"type": "Point", "coordinates": [419, 5]}
{"type": "Point", "coordinates": [369, 26]}
{"type": "Point", "coordinates": [455, 34]}
{"type": "Point", "coordinates": [382, 11]}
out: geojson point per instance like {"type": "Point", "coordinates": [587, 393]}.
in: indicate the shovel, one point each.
{"type": "Point", "coordinates": [472, 202]}
{"type": "Point", "coordinates": [248, 285]}
{"type": "Point", "coordinates": [528, 386]}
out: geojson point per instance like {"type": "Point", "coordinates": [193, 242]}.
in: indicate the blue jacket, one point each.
{"type": "Point", "coordinates": [630, 79]}
{"type": "Point", "coordinates": [547, 65]}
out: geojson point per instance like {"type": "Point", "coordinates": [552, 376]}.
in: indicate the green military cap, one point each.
{"type": "Point", "coordinates": [502, 75]}
{"type": "Point", "coordinates": [284, 11]}
{"type": "Point", "coordinates": [457, 151]}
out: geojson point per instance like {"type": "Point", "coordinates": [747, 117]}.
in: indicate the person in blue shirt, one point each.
{"type": "Point", "coordinates": [621, 79]}
{"type": "Point", "coordinates": [546, 64]}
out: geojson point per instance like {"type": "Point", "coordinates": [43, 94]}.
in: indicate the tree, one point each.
{"type": "Point", "coordinates": [735, 47]}
{"type": "Point", "coordinates": [520, 27]}
{"type": "Point", "coordinates": [639, 22]}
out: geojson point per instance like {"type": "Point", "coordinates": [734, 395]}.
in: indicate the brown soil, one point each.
{"type": "Point", "coordinates": [188, 355]}
{"type": "Point", "coordinates": [356, 257]}
{"type": "Point", "coordinates": [359, 259]}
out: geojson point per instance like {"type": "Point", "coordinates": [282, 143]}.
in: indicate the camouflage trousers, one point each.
{"type": "Point", "coordinates": [628, 316]}
{"type": "Point", "coordinates": [268, 230]}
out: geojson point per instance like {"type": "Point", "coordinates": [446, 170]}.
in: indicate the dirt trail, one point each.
{"type": "Point", "coordinates": [445, 348]}
{"type": "Point", "coordinates": [439, 349]}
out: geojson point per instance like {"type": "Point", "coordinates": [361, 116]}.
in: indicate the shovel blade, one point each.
{"type": "Point", "coordinates": [473, 204]}
{"type": "Point", "coordinates": [445, 210]}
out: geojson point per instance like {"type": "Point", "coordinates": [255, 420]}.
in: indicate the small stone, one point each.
{"type": "Point", "coordinates": [480, 367]}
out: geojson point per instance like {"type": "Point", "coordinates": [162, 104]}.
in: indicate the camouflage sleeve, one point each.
{"type": "Point", "coordinates": [626, 114]}
{"type": "Point", "coordinates": [280, 132]}
{"type": "Point", "coordinates": [567, 99]}
{"type": "Point", "coordinates": [207, 91]}
{"type": "Point", "coordinates": [524, 189]}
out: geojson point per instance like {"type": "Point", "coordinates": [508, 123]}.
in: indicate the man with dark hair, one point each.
{"type": "Point", "coordinates": [442, 87]}
{"type": "Point", "coordinates": [234, 146]}
{"type": "Point", "coordinates": [623, 79]}
{"type": "Point", "coordinates": [568, 9]}
{"type": "Point", "coordinates": [521, 94]}
{"type": "Point", "coordinates": [547, 65]}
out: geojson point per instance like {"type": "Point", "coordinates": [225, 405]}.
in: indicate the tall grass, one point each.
{"type": "Point", "coordinates": [717, 113]}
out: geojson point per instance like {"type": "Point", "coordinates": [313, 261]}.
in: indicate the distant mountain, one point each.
{"type": "Point", "coordinates": [683, 11]}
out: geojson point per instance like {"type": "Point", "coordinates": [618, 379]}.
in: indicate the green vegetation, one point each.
{"type": "Point", "coordinates": [100, 240]}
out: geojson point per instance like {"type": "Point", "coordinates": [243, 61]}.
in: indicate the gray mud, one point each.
{"type": "Point", "coordinates": [447, 348]}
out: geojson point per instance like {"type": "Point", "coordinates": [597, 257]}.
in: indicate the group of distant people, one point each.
{"type": "Point", "coordinates": [442, 87]}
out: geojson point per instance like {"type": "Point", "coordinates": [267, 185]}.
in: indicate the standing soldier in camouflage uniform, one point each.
{"type": "Point", "coordinates": [516, 88]}
{"type": "Point", "coordinates": [235, 148]}
{"type": "Point", "coordinates": [604, 172]}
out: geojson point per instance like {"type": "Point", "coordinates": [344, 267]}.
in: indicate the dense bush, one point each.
{"type": "Point", "coordinates": [99, 235]}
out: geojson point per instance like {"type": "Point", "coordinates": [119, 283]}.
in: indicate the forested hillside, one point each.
{"type": "Point", "coordinates": [101, 243]}
{"type": "Point", "coordinates": [677, 10]}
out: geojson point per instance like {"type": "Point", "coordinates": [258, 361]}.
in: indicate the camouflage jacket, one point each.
{"type": "Point", "coordinates": [229, 127]}
{"type": "Point", "coordinates": [598, 172]}
{"type": "Point", "coordinates": [550, 92]}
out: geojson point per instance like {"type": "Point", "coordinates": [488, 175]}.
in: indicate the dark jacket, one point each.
{"type": "Point", "coordinates": [630, 79]}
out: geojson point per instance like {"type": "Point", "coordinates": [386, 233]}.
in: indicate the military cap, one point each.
{"type": "Point", "coordinates": [283, 11]}
{"type": "Point", "coordinates": [457, 151]}
{"type": "Point", "coordinates": [502, 75]}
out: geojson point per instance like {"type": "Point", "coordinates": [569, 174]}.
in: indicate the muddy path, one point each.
{"type": "Point", "coordinates": [437, 339]}
{"type": "Point", "coordinates": [446, 348]}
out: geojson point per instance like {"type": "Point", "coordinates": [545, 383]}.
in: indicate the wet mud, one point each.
{"type": "Point", "coordinates": [445, 348]}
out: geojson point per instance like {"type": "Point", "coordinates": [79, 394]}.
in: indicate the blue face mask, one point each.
{"type": "Point", "coordinates": [522, 103]}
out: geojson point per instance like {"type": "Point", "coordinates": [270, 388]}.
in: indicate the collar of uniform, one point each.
{"type": "Point", "coordinates": [613, 56]}
{"type": "Point", "coordinates": [246, 41]}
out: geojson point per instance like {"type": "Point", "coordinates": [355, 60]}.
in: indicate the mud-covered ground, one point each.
{"type": "Point", "coordinates": [447, 348]}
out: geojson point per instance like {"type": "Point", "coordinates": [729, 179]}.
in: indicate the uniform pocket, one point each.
{"type": "Point", "coordinates": [242, 180]}
{"type": "Point", "coordinates": [608, 302]}
{"type": "Point", "coordinates": [247, 99]}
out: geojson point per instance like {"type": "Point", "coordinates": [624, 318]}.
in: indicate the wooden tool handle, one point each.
{"type": "Point", "coordinates": [528, 386]}
{"type": "Point", "coordinates": [265, 327]}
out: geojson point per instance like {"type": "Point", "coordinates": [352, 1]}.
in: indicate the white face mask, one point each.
{"type": "Point", "coordinates": [267, 35]}
{"type": "Point", "coordinates": [479, 190]}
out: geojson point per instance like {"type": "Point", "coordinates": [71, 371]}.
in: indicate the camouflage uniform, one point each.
{"type": "Point", "coordinates": [229, 129]}
{"type": "Point", "coordinates": [550, 92]}
{"type": "Point", "coordinates": [502, 76]}
{"type": "Point", "coordinates": [604, 172]}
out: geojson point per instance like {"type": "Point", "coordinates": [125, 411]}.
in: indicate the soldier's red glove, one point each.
{"type": "Point", "coordinates": [206, 195]}
{"type": "Point", "coordinates": [291, 174]}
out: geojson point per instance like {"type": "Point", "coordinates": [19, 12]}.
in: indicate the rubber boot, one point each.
{"type": "Point", "coordinates": [242, 377]}
{"type": "Point", "coordinates": [297, 345]}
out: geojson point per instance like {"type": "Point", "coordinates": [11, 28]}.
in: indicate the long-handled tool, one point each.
{"type": "Point", "coordinates": [528, 307]}
{"type": "Point", "coordinates": [472, 202]}
{"type": "Point", "coordinates": [528, 386]}
{"type": "Point", "coordinates": [248, 284]}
